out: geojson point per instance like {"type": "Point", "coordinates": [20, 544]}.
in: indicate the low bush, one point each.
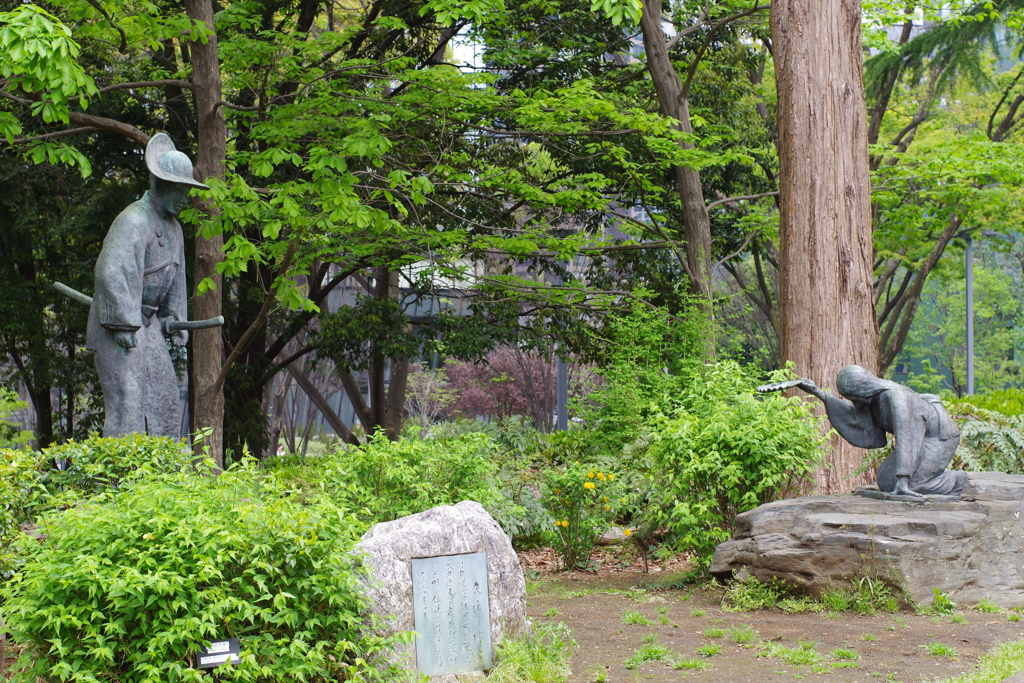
{"type": "Point", "coordinates": [583, 502]}
{"type": "Point", "coordinates": [127, 586]}
{"type": "Point", "coordinates": [989, 440]}
{"type": "Point", "coordinates": [725, 452]}
{"type": "Point", "coordinates": [384, 480]}
{"type": "Point", "coordinates": [30, 483]}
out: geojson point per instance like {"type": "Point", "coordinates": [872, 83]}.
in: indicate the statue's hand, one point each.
{"type": "Point", "coordinates": [178, 337]}
{"type": "Point", "coordinates": [126, 340]}
{"type": "Point", "coordinates": [808, 385]}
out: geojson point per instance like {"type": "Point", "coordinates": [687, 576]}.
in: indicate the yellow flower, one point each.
{"type": "Point", "coordinates": [600, 475]}
{"type": "Point", "coordinates": [589, 485]}
{"type": "Point", "coordinates": [590, 475]}
{"type": "Point", "coordinates": [564, 522]}
{"type": "Point", "coordinates": [605, 499]}
{"type": "Point", "coordinates": [611, 477]}
{"type": "Point", "coordinates": [607, 507]}
{"type": "Point", "coordinates": [626, 532]}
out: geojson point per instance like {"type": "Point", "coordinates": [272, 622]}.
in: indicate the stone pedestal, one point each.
{"type": "Point", "coordinates": [446, 531]}
{"type": "Point", "coordinates": [969, 549]}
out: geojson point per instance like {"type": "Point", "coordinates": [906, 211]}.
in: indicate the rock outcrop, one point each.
{"type": "Point", "coordinates": [969, 549]}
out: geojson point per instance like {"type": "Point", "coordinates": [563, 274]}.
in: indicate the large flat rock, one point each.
{"type": "Point", "coordinates": [969, 549]}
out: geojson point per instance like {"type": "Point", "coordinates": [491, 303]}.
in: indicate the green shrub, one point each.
{"type": "Point", "coordinates": [30, 484]}
{"type": "Point", "coordinates": [989, 440]}
{"type": "Point", "coordinates": [541, 656]}
{"type": "Point", "coordinates": [99, 462]}
{"type": "Point", "coordinates": [384, 480]}
{"type": "Point", "coordinates": [127, 586]}
{"type": "Point", "coordinates": [1005, 401]}
{"type": "Point", "coordinates": [753, 594]}
{"type": "Point", "coordinates": [19, 471]}
{"type": "Point", "coordinates": [583, 503]}
{"type": "Point", "coordinates": [727, 451]}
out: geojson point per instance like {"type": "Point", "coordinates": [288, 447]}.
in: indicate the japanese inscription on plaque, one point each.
{"type": "Point", "coordinates": [453, 624]}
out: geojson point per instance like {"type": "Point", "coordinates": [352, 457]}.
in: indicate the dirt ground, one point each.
{"type": "Point", "coordinates": [786, 647]}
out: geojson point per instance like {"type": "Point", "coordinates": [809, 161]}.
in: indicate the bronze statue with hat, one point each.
{"type": "Point", "coordinates": [140, 301]}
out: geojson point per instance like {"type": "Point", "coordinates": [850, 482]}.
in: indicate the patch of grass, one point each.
{"type": "Point", "coordinates": [868, 637]}
{"type": "Point", "coordinates": [957, 619]}
{"type": "Point", "coordinates": [690, 665]}
{"type": "Point", "coordinates": [634, 618]}
{"type": "Point", "coordinates": [996, 665]}
{"type": "Point", "coordinates": [836, 599]}
{"type": "Point", "coordinates": [542, 656]}
{"type": "Point", "coordinates": [802, 655]}
{"type": "Point", "coordinates": [649, 638]}
{"type": "Point", "coordinates": [820, 668]}
{"type": "Point", "coordinates": [697, 612]}
{"type": "Point", "coordinates": [987, 606]}
{"type": "Point", "coordinates": [843, 653]}
{"type": "Point", "coordinates": [742, 634]}
{"type": "Point", "coordinates": [551, 613]}
{"type": "Point", "coordinates": [941, 650]}
{"type": "Point", "coordinates": [799, 605]}
{"type": "Point", "coordinates": [846, 665]}
{"type": "Point", "coordinates": [1013, 617]}
{"type": "Point", "coordinates": [649, 652]}
{"type": "Point", "coordinates": [709, 650]}
{"type": "Point", "coordinates": [753, 594]}
{"type": "Point", "coordinates": [900, 621]}
{"type": "Point", "coordinates": [713, 633]}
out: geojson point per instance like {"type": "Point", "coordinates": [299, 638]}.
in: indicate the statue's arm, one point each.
{"type": "Point", "coordinates": [119, 273]}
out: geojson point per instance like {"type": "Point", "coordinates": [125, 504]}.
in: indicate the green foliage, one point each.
{"type": "Point", "coordinates": [634, 618]}
{"type": "Point", "coordinates": [753, 594]}
{"type": "Point", "coordinates": [941, 650]}
{"type": "Point", "coordinates": [30, 485]}
{"type": "Point", "coordinates": [583, 503]}
{"type": "Point", "coordinates": [384, 480]}
{"type": "Point", "coordinates": [726, 451]}
{"type": "Point", "coordinates": [11, 436]}
{"type": "Point", "coordinates": [713, 633]}
{"type": "Point", "coordinates": [541, 656]}
{"type": "Point", "coordinates": [996, 666]}
{"type": "Point", "coordinates": [941, 604]}
{"type": "Point", "coordinates": [19, 472]}
{"type": "Point", "coordinates": [989, 440]}
{"type": "Point", "coordinates": [742, 634]}
{"type": "Point", "coordinates": [801, 655]}
{"type": "Point", "coordinates": [99, 462]}
{"type": "Point", "coordinates": [130, 585]}
{"type": "Point", "coordinates": [1004, 401]}
{"type": "Point", "coordinates": [648, 652]}
{"type": "Point", "coordinates": [986, 606]}
{"type": "Point", "coordinates": [709, 650]}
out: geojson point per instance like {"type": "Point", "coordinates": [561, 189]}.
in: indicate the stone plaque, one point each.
{"type": "Point", "coordinates": [453, 626]}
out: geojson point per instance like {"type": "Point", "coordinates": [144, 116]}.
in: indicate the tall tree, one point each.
{"type": "Point", "coordinates": [827, 316]}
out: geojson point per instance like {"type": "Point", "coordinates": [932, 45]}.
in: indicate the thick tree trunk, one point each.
{"type": "Point", "coordinates": [827, 316]}
{"type": "Point", "coordinates": [672, 102]}
{"type": "Point", "coordinates": [207, 347]}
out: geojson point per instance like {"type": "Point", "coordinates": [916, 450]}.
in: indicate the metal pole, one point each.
{"type": "Point", "coordinates": [562, 398]}
{"type": "Point", "coordinates": [970, 316]}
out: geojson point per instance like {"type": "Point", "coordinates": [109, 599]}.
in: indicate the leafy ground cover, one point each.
{"type": "Point", "coordinates": [688, 634]}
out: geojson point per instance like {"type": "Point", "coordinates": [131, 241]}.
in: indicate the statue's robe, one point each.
{"type": "Point", "coordinates": [926, 438]}
{"type": "Point", "coordinates": [140, 282]}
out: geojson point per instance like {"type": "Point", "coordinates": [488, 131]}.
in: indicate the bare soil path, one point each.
{"type": "Point", "coordinates": [837, 647]}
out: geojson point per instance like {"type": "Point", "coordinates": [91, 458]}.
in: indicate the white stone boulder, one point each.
{"type": "Point", "coordinates": [388, 549]}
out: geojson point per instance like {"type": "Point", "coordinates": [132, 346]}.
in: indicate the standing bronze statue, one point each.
{"type": "Point", "coordinates": [926, 438]}
{"type": "Point", "coordinates": [140, 301]}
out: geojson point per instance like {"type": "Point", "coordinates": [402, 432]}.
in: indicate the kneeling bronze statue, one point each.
{"type": "Point", "coordinates": [926, 436]}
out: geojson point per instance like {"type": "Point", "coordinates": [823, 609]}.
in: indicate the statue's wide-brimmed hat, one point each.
{"type": "Point", "coordinates": [167, 163]}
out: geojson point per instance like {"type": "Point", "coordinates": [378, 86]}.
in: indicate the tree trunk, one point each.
{"type": "Point", "coordinates": [672, 102]}
{"type": "Point", "coordinates": [827, 316]}
{"type": "Point", "coordinates": [207, 347]}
